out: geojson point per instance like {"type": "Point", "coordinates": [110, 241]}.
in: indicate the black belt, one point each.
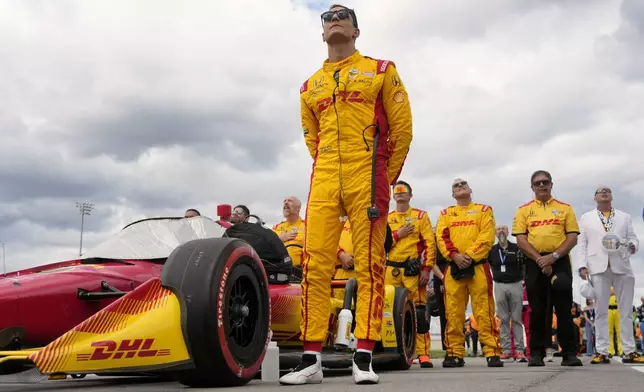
{"type": "Point", "coordinates": [474, 263]}
{"type": "Point", "coordinates": [397, 264]}
{"type": "Point", "coordinates": [411, 267]}
{"type": "Point", "coordinates": [612, 307]}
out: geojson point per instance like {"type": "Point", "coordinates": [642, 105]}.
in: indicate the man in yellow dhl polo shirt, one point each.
{"type": "Point", "coordinates": [546, 231]}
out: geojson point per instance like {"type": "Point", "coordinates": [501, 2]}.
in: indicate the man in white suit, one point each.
{"type": "Point", "coordinates": [606, 270]}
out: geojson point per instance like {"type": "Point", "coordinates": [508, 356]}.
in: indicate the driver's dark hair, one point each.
{"type": "Point", "coordinates": [354, 18]}
{"type": "Point", "coordinates": [193, 210]}
{"type": "Point", "coordinates": [540, 173]}
{"type": "Point", "coordinates": [399, 182]}
{"type": "Point", "coordinates": [243, 207]}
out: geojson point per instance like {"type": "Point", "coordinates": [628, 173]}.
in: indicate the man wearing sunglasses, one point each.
{"type": "Point", "coordinates": [546, 231]}
{"type": "Point", "coordinates": [606, 270]}
{"type": "Point", "coordinates": [411, 260]}
{"type": "Point", "coordinates": [240, 214]}
{"type": "Point", "coordinates": [356, 120]}
{"type": "Point", "coordinates": [465, 235]}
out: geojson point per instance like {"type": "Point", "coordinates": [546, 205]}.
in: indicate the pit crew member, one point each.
{"type": "Point", "coordinates": [546, 230]}
{"type": "Point", "coordinates": [411, 260]}
{"type": "Point", "coordinates": [291, 229]}
{"type": "Point", "coordinates": [465, 234]}
{"type": "Point", "coordinates": [357, 126]}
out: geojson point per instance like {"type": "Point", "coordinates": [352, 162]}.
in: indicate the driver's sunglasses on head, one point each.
{"type": "Point", "coordinates": [605, 190]}
{"type": "Point", "coordinates": [459, 184]}
{"type": "Point", "coordinates": [342, 14]}
{"type": "Point", "coordinates": [541, 183]}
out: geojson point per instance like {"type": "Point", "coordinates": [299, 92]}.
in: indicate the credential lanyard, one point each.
{"type": "Point", "coordinates": [502, 257]}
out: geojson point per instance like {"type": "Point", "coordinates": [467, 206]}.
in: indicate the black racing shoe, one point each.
{"type": "Point", "coordinates": [453, 362]}
{"type": "Point", "coordinates": [494, 361]}
{"type": "Point", "coordinates": [571, 360]}
{"type": "Point", "coordinates": [536, 360]}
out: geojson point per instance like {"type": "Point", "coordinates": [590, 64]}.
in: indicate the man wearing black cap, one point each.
{"type": "Point", "coordinates": [546, 231]}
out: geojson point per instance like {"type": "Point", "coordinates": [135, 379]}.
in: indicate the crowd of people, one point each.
{"type": "Point", "coordinates": [357, 125]}
{"type": "Point", "coordinates": [457, 261]}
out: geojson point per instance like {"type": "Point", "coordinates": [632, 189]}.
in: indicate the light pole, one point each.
{"type": "Point", "coordinates": [85, 208]}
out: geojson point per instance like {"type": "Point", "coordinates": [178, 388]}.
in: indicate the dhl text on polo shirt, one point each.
{"type": "Point", "coordinates": [546, 224]}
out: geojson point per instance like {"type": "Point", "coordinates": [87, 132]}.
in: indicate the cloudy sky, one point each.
{"type": "Point", "coordinates": [147, 108]}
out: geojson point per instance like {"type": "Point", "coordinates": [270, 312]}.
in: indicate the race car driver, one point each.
{"type": "Point", "coordinates": [465, 235]}
{"type": "Point", "coordinates": [357, 125]}
{"type": "Point", "coordinates": [411, 260]}
{"type": "Point", "coordinates": [291, 229]}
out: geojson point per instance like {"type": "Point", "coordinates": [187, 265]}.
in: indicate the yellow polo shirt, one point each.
{"type": "Point", "coordinates": [545, 224]}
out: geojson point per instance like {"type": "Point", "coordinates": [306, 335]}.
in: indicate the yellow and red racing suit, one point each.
{"type": "Point", "coordinates": [351, 110]}
{"type": "Point", "coordinates": [468, 230]}
{"type": "Point", "coordinates": [294, 251]}
{"type": "Point", "coordinates": [419, 245]}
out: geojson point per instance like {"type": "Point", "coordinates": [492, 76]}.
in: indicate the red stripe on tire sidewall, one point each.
{"type": "Point", "coordinates": [241, 372]}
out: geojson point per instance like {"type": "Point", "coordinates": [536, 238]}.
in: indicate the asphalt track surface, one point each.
{"type": "Point", "coordinates": [474, 377]}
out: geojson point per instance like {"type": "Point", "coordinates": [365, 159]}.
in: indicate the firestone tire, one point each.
{"type": "Point", "coordinates": [405, 323]}
{"type": "Point", "coordinates": [223, 290]}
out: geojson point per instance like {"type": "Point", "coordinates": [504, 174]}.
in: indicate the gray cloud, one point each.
{"type": "Point", "coordinates": [51, 215]}
{"type": "Point", "coordinates": [148, 116]}
{"type": "Point", "coordinates": [142, 125]}
{"type": "Point", "coordinates": [623, 51]}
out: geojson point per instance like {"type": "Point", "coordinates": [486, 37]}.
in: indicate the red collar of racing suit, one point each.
{"type": "Point", "coordinates": [331, 67]}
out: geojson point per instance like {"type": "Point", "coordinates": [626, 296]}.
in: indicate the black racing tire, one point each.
{"type": "Point", "coordinates": [405, 324]}
{"type": "Point", "coordinates": [224, 295]}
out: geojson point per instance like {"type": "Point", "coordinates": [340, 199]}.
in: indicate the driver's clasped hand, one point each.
{"type": "Point", "coordinates": [462, 261]}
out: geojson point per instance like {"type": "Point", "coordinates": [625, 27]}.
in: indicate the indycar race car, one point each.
{"type": "Point", "coordinates": [203, 315]}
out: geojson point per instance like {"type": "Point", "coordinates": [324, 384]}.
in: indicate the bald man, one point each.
{"type": "Point", "coordinates": [506, 262]}
{"type": "Point", "coordinates": [291, 230]}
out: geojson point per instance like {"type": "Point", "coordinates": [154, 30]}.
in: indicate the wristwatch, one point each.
{"type": "Point", "coordinates": [555, 256]}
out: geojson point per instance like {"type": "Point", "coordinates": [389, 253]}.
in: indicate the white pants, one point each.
{"type": "Point", "coordinates": [624, 292]}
